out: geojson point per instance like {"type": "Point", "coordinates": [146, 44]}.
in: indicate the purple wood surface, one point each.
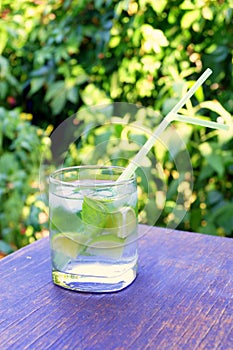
{"type": "Point", "coordinates": [181, 299]}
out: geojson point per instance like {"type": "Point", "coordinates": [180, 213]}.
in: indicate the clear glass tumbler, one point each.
{"type": "Point", "coordinates": [93, 228]}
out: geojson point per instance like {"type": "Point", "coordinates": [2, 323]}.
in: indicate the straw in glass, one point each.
{"type": "Point", "coordinates": [171, 116]}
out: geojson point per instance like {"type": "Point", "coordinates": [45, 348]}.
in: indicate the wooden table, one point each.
{"type": "Point", "coordinates": [181, 299]}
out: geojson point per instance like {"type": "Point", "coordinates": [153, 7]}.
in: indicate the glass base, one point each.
{"type": "Point", "coordinates": [85, 281]}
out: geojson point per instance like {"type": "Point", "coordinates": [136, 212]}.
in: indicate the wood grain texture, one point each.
{"type": "Point", "coordinates": [181, 299]}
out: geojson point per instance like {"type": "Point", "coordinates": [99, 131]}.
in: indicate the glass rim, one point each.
{"type": "Point", "coordinates": [83, 183]}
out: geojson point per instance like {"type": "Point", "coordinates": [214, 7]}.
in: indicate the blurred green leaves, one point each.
{"type": "Point", "coordinates": [21, 146]}
{"type": "Point", "coordinates": [57, 57]}
{"type": "Point", "coordinates": [131, 50]}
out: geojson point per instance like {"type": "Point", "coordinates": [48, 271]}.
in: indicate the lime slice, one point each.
{"type": "Point", "coordinates": [63, 220]}
{"type": "Point", "coordinates": [102, 216]}
{"type": "Point", "coordinates": [108, 246]}
{"type": "Point", "coordinates": [68, 243]}
{"type": "Point", "coordinates": [122, 222]}
{"type": "Point", "coordinates": [66, 246]}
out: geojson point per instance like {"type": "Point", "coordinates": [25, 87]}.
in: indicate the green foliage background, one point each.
{"type": "Point", "coordinates": [59, 56]}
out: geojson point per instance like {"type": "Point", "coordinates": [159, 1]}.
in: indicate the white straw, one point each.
{"type": "Point", "coordinates": [190, 92]}
{"type": "Point", "coordinates": [201, 122]}
{"type": "Point", "coordinates": [172, 115]}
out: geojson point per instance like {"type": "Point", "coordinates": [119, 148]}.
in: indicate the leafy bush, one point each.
{"type": "Point", "coordinates": [21, 210]}
{"type": "Point", "coordinates": [71, 53]}
{"type": "Point", "coordinates": [60, 56]}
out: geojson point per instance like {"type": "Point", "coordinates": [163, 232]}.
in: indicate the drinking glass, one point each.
{"type": "Point", "coordinates": [93, 228]}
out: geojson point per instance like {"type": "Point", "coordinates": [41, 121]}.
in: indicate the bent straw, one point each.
{"type": "Point", "coordinates": [172, 115]}
{"type": "Point", "coordinates": [201, 122]}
